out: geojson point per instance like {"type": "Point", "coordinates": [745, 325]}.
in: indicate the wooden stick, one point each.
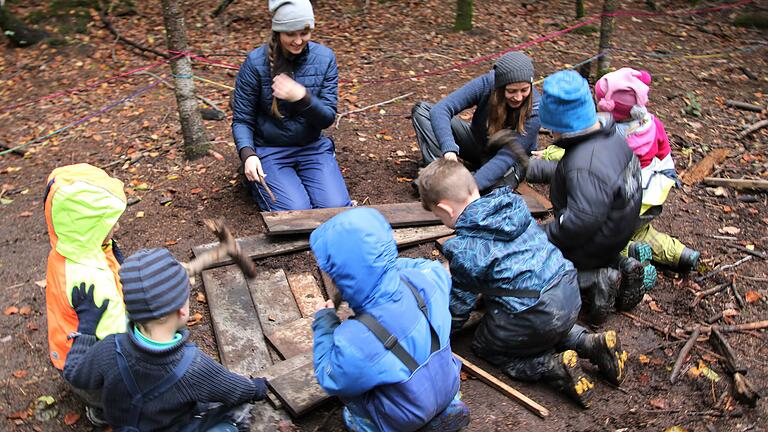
{"type": "Point", "coordinates": [263, 182]}
{"type": "Point", "coordinates": [736, 293]}
{"type": "Point", "coordinates": [752, 278]}
{"type": "Point", "coordinates": [755, 127]}
{"type": "Point", "coordinates": [724, 267]}
{"type": "Point", "coordinates": [757, 325]}
{"type": "Point", "coordinates": [746, 250]}
{"type": "Point", "coordinates": [667, 334]}
{"type": "Point", "coordinates": [701, 294]}
{"type": "Point", "coordinates": [683, 354]}
{"type": "Point", "coordinates": [737, 183]}
{"type": "Point", "coordinates": [502, 387]}
{"type": "Point", "coordinates": [744, 105]}
{"type": "Point", "coordinates": [338, 119]}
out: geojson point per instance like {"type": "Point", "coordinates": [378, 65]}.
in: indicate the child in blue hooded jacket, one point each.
{"type": "Point", "coordinates": [530, 290]}
{"type": "Point", "coordinates": [413, 381]}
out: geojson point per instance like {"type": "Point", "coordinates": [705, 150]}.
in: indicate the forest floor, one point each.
{"type": "Point", "coordinates": [393, 49]}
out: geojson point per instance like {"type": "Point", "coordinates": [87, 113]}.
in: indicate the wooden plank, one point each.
{"type": "Point", "coordinates": [503, 387]}
{"type": "Point", "coordinates": [235, 323]}
{"type": "Point", "coordinates": [293, 338]}
{"type": "Point", "coordinates": [405, 237]}
{"type": "Point", "coordinates": [306, 292]}
{"type": "Point", "coordinates": [330, 288]}
{"type": "Point", "coordinates": [702, 169]}
{"type": "Point", "coordinates": [299, 390]}
{"type": "Point", "coordinates": [274, 302]}
{"type": "Point", "coordinates": [537, 203]}
{"type": "Point", "coordinates": [259, 246]}
{"type": "Point", "coordinates": [737, 183]}
{"type": "Point", "coordinates": [304, 221]}
{"type": "Point", "coordinates": [287, 365]}
{"type": "Point", "coordinates": [441, 241]}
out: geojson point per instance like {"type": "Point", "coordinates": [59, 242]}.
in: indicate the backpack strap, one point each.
{"type": "Point", "coordinates": [390, 341]}
{"type": "Point", "coordinates": [138, 398]}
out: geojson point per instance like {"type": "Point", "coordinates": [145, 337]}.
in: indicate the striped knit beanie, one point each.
{"type": "Point", "coordinates": [154, 284]}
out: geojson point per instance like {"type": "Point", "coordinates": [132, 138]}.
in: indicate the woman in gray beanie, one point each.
{"type": "Point", "coordinates": [285, 95]}
{"type": "Point", "coordinates": [504, 99]}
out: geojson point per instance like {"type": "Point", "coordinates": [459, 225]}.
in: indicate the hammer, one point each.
{"type": "Point", "coordinates": [227, 247]}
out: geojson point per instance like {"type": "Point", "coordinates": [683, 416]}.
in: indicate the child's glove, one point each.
{"type": "Point", "coordinates": [88, 314]}
{"type": "Point", "coordinates": [261, 389]}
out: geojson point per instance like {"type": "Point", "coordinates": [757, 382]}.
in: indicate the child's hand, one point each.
{"type": "Point", "coordinates": [88, 314]}
{"type": "Point", "coordinates": [325, 304]}
{"type": "Point", "coordinates": [538, 154]}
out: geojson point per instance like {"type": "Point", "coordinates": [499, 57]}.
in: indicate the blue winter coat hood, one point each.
{"type": "Point", "coordinates": [357, 249]}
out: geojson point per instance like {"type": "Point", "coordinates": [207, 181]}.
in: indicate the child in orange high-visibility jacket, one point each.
{"type": "Point", "coordinates": [82, 206]}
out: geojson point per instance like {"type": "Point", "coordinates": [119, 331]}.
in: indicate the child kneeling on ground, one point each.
{"type": "Point", "coordinates": [530, 289]}
{"type": "Point", "coordinates": [391, 365]}
{"type": "Point", "coordinates": [150, 377]}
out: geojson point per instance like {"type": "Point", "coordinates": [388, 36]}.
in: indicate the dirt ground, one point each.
{"type": "Point", "coordinates": [393, 49]}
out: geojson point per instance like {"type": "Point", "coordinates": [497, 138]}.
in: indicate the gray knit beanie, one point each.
{"type": "Point", "coordinates": [291, 15]}
{"type": "Point", "coordinates": [154, 284]}
{"type": "Point", "coordinates": [513, 67]}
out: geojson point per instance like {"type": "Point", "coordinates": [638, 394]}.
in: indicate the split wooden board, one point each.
{"type": "Point", "coordinates": [293, 338]}
{"type": "Point", "coordinates": [273, 299]}
{"type": "Point", "coordinates": [306, 292]}
{"type": "Point", "coordinates": [304, 221]}
{"type": "Point", "coordinates": [299, 390]}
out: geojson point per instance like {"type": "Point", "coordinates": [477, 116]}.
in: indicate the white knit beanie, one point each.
{"type": "Point", "coordinates": [291, 15]}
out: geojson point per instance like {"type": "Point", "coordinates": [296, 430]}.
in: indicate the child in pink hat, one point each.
{"type": "Point", "coordinates": [624, 94]}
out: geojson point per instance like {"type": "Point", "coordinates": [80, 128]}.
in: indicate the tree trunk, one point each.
{"type": "Point", "coordinates": [16, 31]}
{"type": "Point", "coordinates": [221, 7]}
{"type": "Point", "coordinates": [463, 15]}
{"type": "Point", "coordinates": [195, 141]}
{"type": "Point", "coordinates": [579, 9]}
{"type": "Point", "coordinates": [606, 33]}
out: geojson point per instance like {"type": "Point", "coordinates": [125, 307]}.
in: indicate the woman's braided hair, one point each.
{"type": "Point", "coordinates": [275, 56]}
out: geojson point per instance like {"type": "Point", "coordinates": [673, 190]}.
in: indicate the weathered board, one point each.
{"type": "Point", "coordinates": [259, 246]}
{"type": "Point", "coordinates": [405, 237]}
{"type": "Point", "coordinates": [306, 292]}
{"type": "Point", "coordinates": [299, 390]}
{"type": "Point", "coordinates": [235, 323]}
{"type": "Point", "coordinates": [330, 287]}
{"type": "Point", "coordinates": [274, 301]}
{"type": "Point", "coordinates": [537, 203]}
{"type": "Point", "coordinates": [293, 338]}
{"type": "Point", "coordinates": [286, 366]}
{"type": "Point", "coordinates": [441, 241]}
{"type": "Point", "coordinates": [304, 221]}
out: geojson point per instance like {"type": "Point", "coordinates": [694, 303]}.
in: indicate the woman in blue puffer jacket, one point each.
{"type": "Point", "coordinates": [285, 95]}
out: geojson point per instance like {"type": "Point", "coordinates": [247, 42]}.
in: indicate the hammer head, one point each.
{"type": "Point", "coordinates": [229, 245]}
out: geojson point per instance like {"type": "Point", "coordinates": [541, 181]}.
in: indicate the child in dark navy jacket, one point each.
{"type": "Point", "coordinates": [151, 378]}
{"type": "Point", "coordinates": [531, 292]}
{"type": "Point", "coordinates": [392, 364]}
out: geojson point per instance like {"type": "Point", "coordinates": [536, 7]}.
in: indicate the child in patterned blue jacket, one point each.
{"type": "Point", "coordinates": [530, 290]}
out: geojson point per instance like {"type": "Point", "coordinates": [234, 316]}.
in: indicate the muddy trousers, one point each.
{"type": "Point", "coordinates": [430, 148]}
{"type": "Point", "coordinates": [666, 249]}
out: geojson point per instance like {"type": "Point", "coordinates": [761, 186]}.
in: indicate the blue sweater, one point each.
{"type": "Point", "coordinates": [92, 364]}
{"type": "Point", "coordinates": [253, 124]}
{"type": "Point", "coordinates": [477, 93]}
{"type": "Point", "coordinates": [498, 245]}
{"type": "Point", "coordinates": [349, 360]}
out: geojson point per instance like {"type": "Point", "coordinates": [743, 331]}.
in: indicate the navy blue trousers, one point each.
{"type": "Point", "coordinates": [301, 178]}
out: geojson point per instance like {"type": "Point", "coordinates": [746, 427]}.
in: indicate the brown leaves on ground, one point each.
{"type": "Point", "coordinates": [659, 403]}
{"type": "Point", "coordinates": [10, 310]}
{"type": "Point", "coordinates": [753, 296]}
{"type": "Point", "coordinates": [71, 418]}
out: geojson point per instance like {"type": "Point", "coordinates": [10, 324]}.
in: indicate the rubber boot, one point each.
{"type": "Point", "coordinates": [598, 292]}
{"type": "Point", "coordinates": [640, 251]}
{"type": "Point", "coordinates": [604, 351]}
{"type": "Point", "coordinates": [636, 280]}
{"type": "Point", "coordinates": [567, 376]}
{"type": "Point", "coordinates": [689, 260]}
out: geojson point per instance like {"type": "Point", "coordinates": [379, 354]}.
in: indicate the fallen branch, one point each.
{"type": "Point", "coordinates": [752, 278]}
{"type": "Point", "coordinates": [683, 354]}
{"type": "Point", "coordinates": [757, 325]}
{"type": "Point", "coordinates": [748, 73]}
{"type": "Point", "coordinates": [504, 388]}
{"type": "Point", "coordinates": [743, 390]}
{"type": "Point", "coordinates": [221, 7]}
{"type": "Point", "coordinates": [744, 105]}
{"type": "Point", "coordinates": [338, 119]}
{"type": "Point", "coordinates": [736, 293]}
{"type": "Point", "coordinates": [737, 183]}
{"type": "Point", "coordinates": [165, 82]}
{"type": "Point", "coordinates": [747, 250]}
{"type": "Point", "coordinates": [666, 333]}
{"type": "Point", "coordinates": [108, 24]}
{"type": "Point", "coordinates": [755, 127]}
{"type": "Point", "coordinates": [723, 267]}
{"type": "Point", "coordinates": [701, 294]}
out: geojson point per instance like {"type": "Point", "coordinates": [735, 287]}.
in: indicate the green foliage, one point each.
{"type": "Point", "coordinates": [587, 29]}
{"type": "Point", "coordinates": [692, 107]}
{"type": "Point", "coordinates": [752, 19]}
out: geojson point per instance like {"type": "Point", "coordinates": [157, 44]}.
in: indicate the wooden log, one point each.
{"type": "Point", "coordinates": [754, 128]}
{"type": "Point", "coordinates": [704, 167]}
{"type": "Point", "coordinates": [683, 354]}
{"type": "Point", "coordinates": [273, 299]}
{"type": "Point", "coordinates": [235, 324]}
{"type": "Point", "coordinates": [306, 292]}
{"type": "Point", "coordinates": [737, 183]}
{"type": "Point", "coordinates": [743, 390]}
{"type": "Point", "coordinates": [405, 237]}
{"type": "Point", "coordinates": [744, 105]}
{"type": "Point", "coordinates": [503, 387]}
{"type": "Point", "coordinates": [299, 390]}
{"type": "Point", "coordinates": [293, 338]}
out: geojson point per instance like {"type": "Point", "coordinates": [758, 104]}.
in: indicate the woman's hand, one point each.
{"type": "Point", "coordinates": [538, 154]}
{"type": "Point", "coordinates": [253, 170]}
{"type": "Point", "coordinates": [285, 88]}
{"type": "Point", "coordinates": [451, 156]}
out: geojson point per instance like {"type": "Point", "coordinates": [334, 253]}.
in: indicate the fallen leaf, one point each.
{"type": "Point", "coordinates": [20, 373]}
{"type": "Point", "coordinates": [20, 415]}
{"type": "Point", "coordinates": [643, 359]}
{"type": "Point", "coordinates": [201, 298]}
{"type": "Point", "coordinates": [10, 310]}
{"type": "Point", "coordinates": [194, 319]}
{"type": "Point", "coordinates": [25, 214]}
{"type": "Point", "coordinates": [644, 379]}
{"type": "Point", "coordinates": [404, 179]}
{"type": "Point", "coordinates": [25, 310]}
{"type": "Point", "coordinates": [216, 155]}
{"type": "Point", "coordinates": [659, 403]}
{"type": "Point", "coordinates": [140, 214]}
{"type": "Point", "coordinates": [727, 209]}
{"type": "Point", "coordinates": [675, 429]}
{"type": "Point", "coordinates": [196, 190]}
{"type": "Point", "coordinates": [654, 307]}
{"type": "Point", "coordinates": [41, 283]}
{"type": "Point", "coordinates": [32, 326]}
{"type": "Point", "coordinates": [732, 230]}
{"type": "Point", "coordinates": [71, 418]}
{"type": "Point", "coordinates": [142, 186]}
{"type": "Point", "coordinates": [752, 296]}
